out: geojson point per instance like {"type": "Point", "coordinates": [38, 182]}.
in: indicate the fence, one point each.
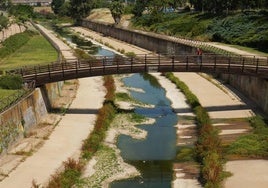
{"type": "Point", "coordinates": [8, 101]}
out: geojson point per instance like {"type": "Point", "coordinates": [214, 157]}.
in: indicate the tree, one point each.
{"type": "Point", "coordinates": [79, 9]}
{"type": "Point", "coordinates": [117, 9]}
{"type": "Point", "coordinates": [4, 4]}
{"type": "Point", "coordinates": [139, 7]}
{"type": "Point", "coordinates": [64, 9]}
{"type": "Point", "coordinates": [56, 5]}
{"type": "Point", "coordinates": [3, 23]}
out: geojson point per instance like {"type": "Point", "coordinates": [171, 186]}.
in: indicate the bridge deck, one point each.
{"type": "Point", "coordinates": [145, 63]}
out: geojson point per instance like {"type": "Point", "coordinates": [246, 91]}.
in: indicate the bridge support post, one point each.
{"type": "Point", "coordinates": [35, 72]}
{"type": "Point", "coordinates": [173, 58]}
{"type": "Point", "coordinates": [243, 65]}
{"type": "Point", "coordinates": [145, 63]}
{"type": "Point", "coordinates": [76, 68]}
{"type": "Point", "coordinates": [257, 66]}
{"type": "Point", "coordinates": [131, 64]}
{"type": "Point", "coordinates": [117, 66]}
{"type": "Point", "coordinates": [215, 63]}
{"type": "Point", "coordinates": [62, 69]}
{"type": "Point", "coordinates": [229, 64]}
{"type": "Point", "coordinates": [49, 75]}
{"type": "Point", "coordinates": [187, 62]}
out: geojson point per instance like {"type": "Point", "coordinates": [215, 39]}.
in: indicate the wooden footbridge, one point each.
{"type": "Point", "coordinates": [208, 63]}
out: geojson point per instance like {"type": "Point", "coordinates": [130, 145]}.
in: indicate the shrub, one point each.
{"type": "Point", "coordinates": [70, 175]}
{"type": "Point", "coordinates": [208, 150]}
{"type": "Point", "coordinates": [185, 154]}
{"type": "Point", "coordinates": [11, 82]}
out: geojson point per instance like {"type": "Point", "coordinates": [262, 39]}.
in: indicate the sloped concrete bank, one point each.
{"type": "Point", "coordinates": [254, 88]}
{"type": "Point", "coordinates": [27, 113]}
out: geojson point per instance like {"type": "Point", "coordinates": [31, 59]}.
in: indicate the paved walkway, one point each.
{"type": "Point", "coordinates": [66, 139]}
{"type": "Point", "coordinates": [218, 102]}
{"type": "Point", "coordinates": [66, 51]}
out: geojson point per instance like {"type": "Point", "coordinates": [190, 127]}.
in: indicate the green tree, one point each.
{"type": "Point", "coordinates": [79, 9]}
{"type": "Point", "coordinates": [139, 7]}
{"type": "Point", "coordinates": [23, 11]}
{"type": "Point", "coordinates": [56, 5]}
{"type": "Point", "coordinates": [64, 9]}
{"type": "Point", "coordinates": [117, 9]}
{"type": "Point", "coordinates": [3, 24]}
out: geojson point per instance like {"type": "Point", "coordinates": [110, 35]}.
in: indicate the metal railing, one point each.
{"type": "Point", "coordinates": [8, 101]}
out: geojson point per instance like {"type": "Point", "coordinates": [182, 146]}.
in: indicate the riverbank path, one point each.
{"type": "Point", "coordinates": [66, 139]}
{"type": "Point", "coordinates": [66, 52]}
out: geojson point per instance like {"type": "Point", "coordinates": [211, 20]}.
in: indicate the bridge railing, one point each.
{"type": "Point", "coordinates": [148, 59]}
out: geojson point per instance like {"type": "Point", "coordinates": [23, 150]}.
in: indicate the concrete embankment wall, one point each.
{"type": "Point", "coordinates": [27, 113]}
{"type": "Point", "coordinates": [254, 88]}
{"type": "Point", "coordinates": [153, 42]}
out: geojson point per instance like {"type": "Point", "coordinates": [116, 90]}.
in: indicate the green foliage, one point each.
{"type": "Point", "coordinates": [56, 5]}
{"type": "Point", "coordinates": [11, 82]}
{"type": "Point", "coordinates": [137, 118]}
{"type": "Point", "coordinates": [105, 117]}
{"type": "Point", "coordinates": [252, 145]}
{"type": "Point", "coordinates": [139, 7]}
{"type": "Point", "coordinates": [3, 22]}
{"type": "Point", "coordinates": [13, 43]}
{"type": "Point", "coordinates": [246, 29]}
{"type": "Point", "coordinates": [117, 9]}
{"type": "Point", "coordinates": [79, 9]}
{"type": "Point", "coordinates": [208, 149]}
{"type": "Point", "coordinates": [185, 154]}
{"type": "Point", "coordinates": [81, 54]}
{"type": "Point", "coordinates": [123, 96]}
{"type": "Point", "coordinates": [72, 169]}
{"type": "Point", "coordinates": [69, 177]}
{"type": "Point", "coordinates": [23, 12]}
{"type": "Point", "coordinates": [37, 50]}
{"type": "Point", "coordinates": [130, 54]}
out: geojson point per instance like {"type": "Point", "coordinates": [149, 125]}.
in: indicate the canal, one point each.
{"type": "Point", "coordinates": [153, 156]}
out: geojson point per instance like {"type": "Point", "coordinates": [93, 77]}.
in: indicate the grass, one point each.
{"type": "Point", "coordinates": [241, 29]}
{"type": "Point", "coordinates": [6, 92]}
{"type": "Point", "coordinates": [253, 145]}
{"type": "Point", "coordinates": [36, 51]}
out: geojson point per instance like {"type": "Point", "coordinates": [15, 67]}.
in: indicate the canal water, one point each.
{"type": "Point", "coordinates": [154, 155]}
{"type": "Point", "coordinates": [82, 43]}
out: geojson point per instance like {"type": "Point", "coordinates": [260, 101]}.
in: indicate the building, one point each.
{"type": "Point", "coordinates": [32, 2]}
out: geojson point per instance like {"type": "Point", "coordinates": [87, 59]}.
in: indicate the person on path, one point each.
{"type": "Point", "coordinates": [199, 55]}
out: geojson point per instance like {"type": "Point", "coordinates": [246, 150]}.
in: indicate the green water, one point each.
{"type": "Point", "coordinates": [152, 156]}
